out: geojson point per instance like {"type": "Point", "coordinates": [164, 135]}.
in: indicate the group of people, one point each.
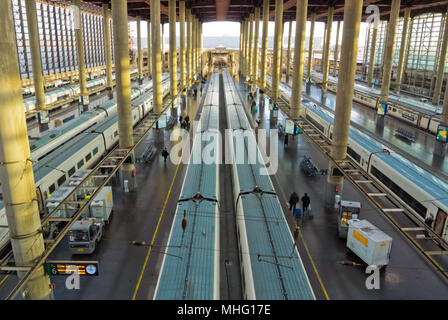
{"type": "Point", "coordinates": [185, 123]}
{"type": "Point", "coordinates": [294, 198]}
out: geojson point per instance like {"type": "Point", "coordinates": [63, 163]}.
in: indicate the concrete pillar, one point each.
{"type": "Point", "coordinates": [389, 50]}
{"type": "Point", "coordinates": [277, 47]}
{"type": "Point", "coordinates": [311, 45]}
{"type": "Point", "coordinates": [240, 52]}
{"type": "Point", "coordinates": [200, 49]}
{"type": "Point", "coordinates": [139, 50]}
{"type": "Point", "coordinates": [149, 50]}
{"type": "Point", "coordinates": [107, 50]}
{"type": "Point", "coordinates": [264, 43]}
{"type": "Point", "coordinates": [81, 61]}
{"type": "Point", "coordinates": [195, 47]}
{"type": "Point", "coordinates": [327, 47]}
{"type": "Point", "coordinates": [245, 41]}
{"type": "Point", "coordinates": [38, 77]}
{"type": "Point", "coordinates": [288, 53]}
{"type": "Point", "coordinates": [441, 66]}
{"type": "Point", "coordinates": [157, 100]}
{"type": "Point", "coordinates": [336, 53]}
{"type": "Point", "coordinates": [16, 170]}
{"type": "Point", "coordinates": [251, 45]}
{"type": "Point", "coordinates": [256, 38]}
{"type": "Point", "coordinates": [366, 49]}
{"type": "Point", "coordinates": [281, 51]}
{"type": "Point", "coordinates": [372, 55]}
{"type": "Point", "coordinates": [182, 52]}
{"type": "Point", "coordinates": [344, 98]}
{"type": "Point", "coordinates": [173, 52]}
{"type": "Point", "coordinates": [404, 38]}
{"type": "Point", "coordinates": [189, 51]}
{"type": "Point", "coordinates": [299, 49]}
{"type": "Point", "coordinates": [123, 79]}
{"type": "Point", "coordinates": [163, 47]}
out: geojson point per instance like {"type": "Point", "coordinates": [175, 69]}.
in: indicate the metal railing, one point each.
{"type": "Point", "coordinates": [111, 163]}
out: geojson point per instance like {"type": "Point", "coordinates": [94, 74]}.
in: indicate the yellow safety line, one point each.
{"type": "Point", "coordinates": [307, 251]}
{"type": "Point", "coordinates": [154, 236]}
{"type": "Point", "coordinates": [3, 280]}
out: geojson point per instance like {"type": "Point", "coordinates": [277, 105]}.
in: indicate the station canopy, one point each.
{"type": "Point", "coordinates": [238, 10]}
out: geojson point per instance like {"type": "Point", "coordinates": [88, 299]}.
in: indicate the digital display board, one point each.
{"type": "Point", "coordinates": [442, 133]}
{"type": "Point", "coordinates": [161, 123]}
{"type": "Point", "coordinates": [63, 268]}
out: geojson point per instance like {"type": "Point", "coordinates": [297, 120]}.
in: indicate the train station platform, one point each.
{"type": "Point", "coordinates": [383, 129]}
{"type": "Point", "coordinates": [325, 256]}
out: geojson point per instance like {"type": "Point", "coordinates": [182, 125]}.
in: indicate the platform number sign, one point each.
{"type": "Point", "coordinates": [442, 133]}
{"type": "Point", "coordinates": [84, 268]}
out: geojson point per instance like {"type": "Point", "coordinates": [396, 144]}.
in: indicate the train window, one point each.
{"type": "Point", "coordinates": [80, 164]}
{"type": "Point", "coordinates": [406, 197]}
{"type": "Point", "coordinates": [88, 157]}
{"type": "Point", "coordinates": [33, 147]}
{"type": "Point", "coordinates": [71, 171]}
{"type": "Point", "coordinates": [394, 110]}
{"type": "Point", "coordinates": [95, 151]}
{"type": "Point", "coordinates": [61, 180]}
{"type": "Point", "coordinates": [115, 134]}
{"type": "Point", "coordinates": [51, 189]}
{"type": "Point", "coordinates": [352, 153]}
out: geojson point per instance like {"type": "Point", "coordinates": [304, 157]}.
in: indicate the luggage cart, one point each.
{"type": "Point", "coordinates": [308, 167]}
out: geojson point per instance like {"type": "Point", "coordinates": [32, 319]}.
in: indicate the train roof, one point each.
{"type": "Point", "coordinates": [194, 260]}
{"type": "Point", "coordinates": [266, 271]}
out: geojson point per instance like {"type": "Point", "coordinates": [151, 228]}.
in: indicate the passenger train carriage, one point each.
{"type": "Point", "coordinates": [79, 153]}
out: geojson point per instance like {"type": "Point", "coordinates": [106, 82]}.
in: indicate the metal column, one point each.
{"type": "Point", "coordinates": [245, 40]}
{"type": "Point", "coordinates": [256, 39]}
{"type": "Point", "coordinates": [163, 47]}
{"type": "Point", "coordinates": [251, 45]}
{"type": "Point", "coordinates": [277, 47]}
{"type": "Point", "coordinates": [264, 43]}
{"type": "Point", "coordinates": [299, 48]}
{"type": "Point", "coordinates": [173, 52]}
{"type": "Point", "coordinates": [404, 38]}
{"type": "Point", "coordinates": [189, 57]}
{"type": "Point", "coordinates": [183, 78]}
{"type": "Point", "coordinates": [149, 50]}
{"type": "Point", "coordinates": [108, 50]}
{"type": "Point", "coordinates": [139, 50]}
{"type": "Point", "coordinates": [336, 53]}
{"type": "Point", "coordinates": [344, 97]}
{"type": "Point", "coordinates": [288, 53]}
{"type": "Point", "coordinates": [123, 79]}
{"type": "Point", "coordinates": [38, 77]}
{"type": "Point", "coordinates": [326, 59]}
{"type": "Point", "coordinates": [389, 50]}
{"type": "Point", "coordinates": [16, 170]}
{"type": "Point", "coordinates": [310, 48]}
{"type": "Point", "coordinates": [157, 100]}
{"type": "Point", "coordinates": [441, 66]}
{"type": "Point", "coordinates": [372, 54]}
{"type": "Point", "coordinates": [81, 59]}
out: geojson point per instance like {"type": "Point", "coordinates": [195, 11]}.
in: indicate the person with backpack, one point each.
{"type": "Point", "coordinates": [306, 203]}
{"type": "Point", "coordinates": [293, 199]}
{"type": "Point", "coordinates": [165, 154]}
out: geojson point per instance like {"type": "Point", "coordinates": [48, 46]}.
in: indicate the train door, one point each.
{"type": "Point", "coordinates": [440, 222]}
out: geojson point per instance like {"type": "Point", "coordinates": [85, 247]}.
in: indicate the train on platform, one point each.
{"type": "Point", "coordinates": [418, 190]}
{"type": "Point", "coordinates": [416, 113]}
{"type": "Point", "coordinates": [58, 136]}
{"type": "Point", "coordinates": [66, 92]}
{"type": "Point", "coordinates": [271, 266]}
{"type": "Point", "coordinates": [79, 153]}
{"type": "Point", "coordinates": [191, 262]}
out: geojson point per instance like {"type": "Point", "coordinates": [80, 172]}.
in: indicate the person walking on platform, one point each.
{"type": "Point", "coordinates": [180, 119]}
{"type": "Point", "coordinates": [187, 119]}
{"type": "Point", "coordinates": [293, 199]}
{"type": "Point", "coordinates": [286, 140]}
{"type": "Point", "coordinates": [165, 154]}
{"type": "Point", "coordinates": [305, 203]}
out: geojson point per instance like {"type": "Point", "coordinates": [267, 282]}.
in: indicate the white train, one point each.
{"type": "Point", "coordinates": [65, 92]}
{"type": "Point", "coordinates": [271, 266]}
{"type": "Point", "coordinates": [418, 190]}
{"type": "Point", "coordinates": [80, 153]}
{"type": "Point", "coordinates": [417, 113]}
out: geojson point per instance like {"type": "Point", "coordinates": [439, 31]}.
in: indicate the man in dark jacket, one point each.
{"type": "Point", "coordinates": [165, 154]}
{"type": "Point", "coordinates": [305, 202]}
{"type": "Point", "coordinates": [293, 199]}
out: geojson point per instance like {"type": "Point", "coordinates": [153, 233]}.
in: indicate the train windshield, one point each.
{"type": "Point", "coordinates": [78, 235]}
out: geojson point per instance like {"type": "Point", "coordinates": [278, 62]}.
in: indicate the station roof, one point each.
{"type": "Point", "coordinates": [237, 10]}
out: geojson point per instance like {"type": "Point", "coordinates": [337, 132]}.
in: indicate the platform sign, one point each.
{"type": "Point", "coordinates": [161, 123]}
{"type": "Point", "coordinates": [43, 117]}
{"type": "Point", "coordinates": [442, 133]}
{"type": "Point", "coordinates": [289, 127]}
{"type": "Point", "coordinates": [63, 268]}
{"type": "Point", "coordinates": [382, 109]}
